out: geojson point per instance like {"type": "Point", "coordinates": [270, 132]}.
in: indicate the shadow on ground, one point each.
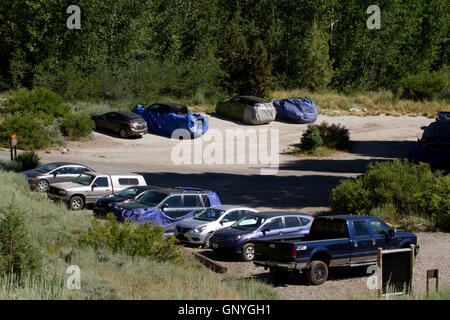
{"type": "Point", "coordinates": [255, 190]}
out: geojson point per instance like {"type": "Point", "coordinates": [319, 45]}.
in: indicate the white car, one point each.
{"type": "Point", "coordinates": [199, 229]}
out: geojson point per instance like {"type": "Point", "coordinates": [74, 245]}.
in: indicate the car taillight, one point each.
{"type": "Point", "coordinates": [294, 253]}
{"type": "Point", "coordinates": [130, 125]}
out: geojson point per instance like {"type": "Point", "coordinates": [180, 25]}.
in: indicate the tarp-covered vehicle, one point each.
{"type": "Point", "coordinates": [164, 118]}
{"type": "Point", "coordinates": [433, 147]}
{"type": "Point", "coordinates": [295, 110]}
{"type": "Point", "coordinates": [247, 109]}
{"type": "Point", "coordinates": [166, 206]}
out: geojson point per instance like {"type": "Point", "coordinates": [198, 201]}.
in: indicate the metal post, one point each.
{"type": "Point", "coordinates": [380, 271]}
{"type": "Point", "coordinates": [411, 271]}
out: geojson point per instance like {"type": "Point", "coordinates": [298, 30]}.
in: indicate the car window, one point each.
{"type": "Point", "coordinates": [192, 201]}
{"type": "Point", "coordinates": [209, 214]}
{"type": "Point", "coordinates": [174, 201]}
{"type": "Point", "coordinates": [379, 227]}
{"type": "Point", "coordinates": [274, 224]}
{"type": "Point", "coordinates": [360, 228]}
{"type": "Point", "coordinates": [206, 202]}
{"type": "Point", "coordinates": [233, 216]}
{"type": "Point", "coordinates": [128, 181]}
{"type": "Point", "coordinates": [245, 213]}
{"type": "Point", "coordinates": [64, 170]}
{"type": "Point", "coordinates": [111, 116]}
{"type": "Point", "coordinates": [128, 192]}
{"type": "Point", "coordinates": [151, 198]}
{"type": "Point", "coordinates": [305, 221]}
{"type": "Point", "coordinates": [101, 182]}
{"type": "Point", "coordinates": [291, 222]}
{"type": "Point", "coordinates": [249, 223]}
{"type": "Point", "coordinates": [78, 170]}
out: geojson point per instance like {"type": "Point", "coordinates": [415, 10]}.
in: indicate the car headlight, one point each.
{"type": "Point", "coordinates": [63, 192]}
{"type": "Point", "coordinates": [238, 237]}
{"type": "Point", "coordinates": [200, 230]}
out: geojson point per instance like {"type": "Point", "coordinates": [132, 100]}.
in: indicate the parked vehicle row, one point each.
{"type": "Point", "coordinates": [124, 123]}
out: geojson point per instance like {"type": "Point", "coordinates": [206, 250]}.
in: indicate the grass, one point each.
{"type": "Point", "coordinates": [105, 275]}
{"type": "Point", "coordinates": [321, 151]}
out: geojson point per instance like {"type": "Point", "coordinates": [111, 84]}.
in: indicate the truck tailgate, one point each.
{"type": "Point", "coordinates": [279, 251]}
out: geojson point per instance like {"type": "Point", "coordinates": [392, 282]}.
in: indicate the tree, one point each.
{"type": "Point", "coordinates": [259, 71]}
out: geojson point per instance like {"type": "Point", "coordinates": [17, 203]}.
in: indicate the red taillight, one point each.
{"type": "Point", "coordinates": [294, 253]}
{"type": "Point", "coordinates": [130, 125]}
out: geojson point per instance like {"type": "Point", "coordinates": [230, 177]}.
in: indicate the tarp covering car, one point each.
{"type": "Point", "coordinates": [247, 109]}
{"type": "Point", "coordinates": [296, 110]}
{"type": "Point", "coordinates": [164, 118]}
{"type": "Point", "coordinates": [157, 216]}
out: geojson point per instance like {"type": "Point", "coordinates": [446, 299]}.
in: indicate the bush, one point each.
{"type": "Point", "coordinates": [311, 139]}
{"type": "Point", "coordinates": [18, 255]}
{"type": "Point", "coordinates": [29, 160]}
{"type": "Point", "coordinates": [76, 126]}
{"type": "Point", "coordinates": [408, 189]}
{"type": "Point", "coordinates": [334, 136]}
{"type": "Point", "coordinates": [30, 134]}
{"type": "Point", "coordinates": [142, 240]}
{"type": "Point", "coordinates": [42, 103]}
{"type": "Point", "coordinates": [427, 85]}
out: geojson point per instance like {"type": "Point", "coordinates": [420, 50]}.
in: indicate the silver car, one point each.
{"type": "Point", "coordinates": [199, 229]}
{"type": "Point", "coordinates": [54, 172]}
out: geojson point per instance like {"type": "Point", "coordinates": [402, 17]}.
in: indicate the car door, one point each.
{"type": "Point", "coordinates": [380, 233]}
{"type": "Point", "coordinates": [293, 227]}
{"type": "Point", "coordinates": [191, 203]}
{"type": "Point", "coordinates": [110, 121]}
{"type": "Point", "coordinates": [361, 243]}
{"type": "Point", "coordinates": [62, 174]}
{"type": "Point", "coordinates": [274, 227]}
{"type": "Point", "coordinates": [100, 187]}
{"type": "Point", "coordinates": [174, 204]}
{"type": "Point", "coordinates": [230, 218]}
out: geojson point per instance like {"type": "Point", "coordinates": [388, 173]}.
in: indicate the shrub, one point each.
{"type": "Point", "coordinates": [408, 189]}
{"type": "Point", "coordinates": [142, 240]}
{"type": "Point", "coordinates": [29, 160]}
{"type": "Point", "coordinates": [311, 139]}
{"type": "Point", "coordinates": [76, 126]}
{"type": "Point", "coordinates": [18, 255]}
{"type": "Point", "coordinates": [334, 136]}
{"type": "Point", "coordinates": [42, 103]}
{"type": "Point", "coordinates": [427, 85]}
{"type": "Point", "coordinates": [30, 134]}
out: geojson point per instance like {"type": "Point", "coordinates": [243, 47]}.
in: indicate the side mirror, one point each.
{"type": "Point", "coordinates": [265, 229]}
{"type": "Point", "coordinates": [55, 174]}
{"type": "Point", "coordinates": [393, 232]}
{"type": "Point", "coordinates": [164, 206]}
{"type": "Point", "coordinates": [94, 186]}
{"type": "Point", "coordinates": [224, 220]}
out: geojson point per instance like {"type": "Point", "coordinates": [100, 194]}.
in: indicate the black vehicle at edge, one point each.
{"type": "Point", "coordinates": [125, 123]}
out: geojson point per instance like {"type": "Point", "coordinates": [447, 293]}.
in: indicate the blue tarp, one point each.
{"type": "Point", "coordinates": [166, 123]}
{"type": "Point", "coordinates": [296, 110]}
{"type": "Point", "coordinates": [157, 216]}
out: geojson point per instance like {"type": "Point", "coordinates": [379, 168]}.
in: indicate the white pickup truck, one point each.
{"type": "Point", "coordinates": [90, 186]}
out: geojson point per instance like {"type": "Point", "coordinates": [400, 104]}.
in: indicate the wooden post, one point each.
{"type": "Point", "coordinates": [380, 272]}
{"type": "Point", "coordinates": [411, 271]}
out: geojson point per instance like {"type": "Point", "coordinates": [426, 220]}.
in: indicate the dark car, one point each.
{"type": "Point", "coordinates": [238, 239]}
{"type": "Point", "coordinates": [105, 205]}
{"type": "Point", "coordinates": [125, 123]}
{"type": "Point", "coordinates": [54, 172]}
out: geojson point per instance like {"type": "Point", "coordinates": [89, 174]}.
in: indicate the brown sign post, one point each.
{"type": "Point", "coordinates": [13, 146]}
{"type": "Point", "coordinates": [432, 274]}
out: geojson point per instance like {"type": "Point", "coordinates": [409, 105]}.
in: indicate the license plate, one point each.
{"type": "Point", "coordinates": [271, 263]}
{"type": "Point", "coordinates": [215, 245]}
{"type": "Point", "coordinates": [141, 133]}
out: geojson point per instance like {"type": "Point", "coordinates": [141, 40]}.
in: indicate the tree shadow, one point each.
{"type": "Point", "coordinates": [114, 134]}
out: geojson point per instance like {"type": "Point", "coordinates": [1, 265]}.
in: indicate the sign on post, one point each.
{"type": "Point", "coordinates": [396, 270]}
{"type": "Point", "coordinates": [13, 143]}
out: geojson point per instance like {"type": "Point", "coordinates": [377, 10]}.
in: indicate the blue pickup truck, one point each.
{"type": "Point", "coordinates": [333, 241]}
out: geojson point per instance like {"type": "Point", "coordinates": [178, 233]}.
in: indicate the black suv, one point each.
{"type": "Point", "coordinates": [125, 123]}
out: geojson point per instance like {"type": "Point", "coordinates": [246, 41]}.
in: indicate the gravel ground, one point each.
{"type": "Point", "coordinates": [351, 284]}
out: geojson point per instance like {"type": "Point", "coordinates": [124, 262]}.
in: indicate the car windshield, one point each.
{"type": "Point", "coordinates": [151, 198]}
{"type": "Point", "coordinates": [128, 193]}
{"type": "Point", "coordinates": [249, 223]}
{"type": "Point", "coordinates": [209, 214]}
{"type": "Point", "coordinates": [48, 167]}
{"type": "Point", "coordinates": [84, 179]}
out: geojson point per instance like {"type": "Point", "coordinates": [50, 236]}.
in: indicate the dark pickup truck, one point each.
{"type": "Point", "coordinates": [333, 241]}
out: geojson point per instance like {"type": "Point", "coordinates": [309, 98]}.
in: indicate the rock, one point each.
{"type": "Point", "coordinates": [354, 110]}
{"type": "Point", "coordinates": [64, 151]}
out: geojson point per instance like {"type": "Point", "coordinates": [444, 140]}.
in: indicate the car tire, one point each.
{"type": "Point", "coordinates": [207, 244]}
{"type": "Point", "coordinates": [42, 186]}
{"type": "Point", "coordinates": [123, 133]}
{"type": "Point", "coordinates": [248, 252]}
{"type": "Point", "coordinates": [317, 273]}
{"type": "Point", "coordinates": [76, 203]}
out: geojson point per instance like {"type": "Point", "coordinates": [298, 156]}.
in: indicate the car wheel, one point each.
{"type": "Point", "coordinates": [123, 133]}
{"type": "Point", "coordinates": [76, 203]}
{"type": "Point", "coordinates": [42, 186]}
{"type": "Point", "coordinates": [317, 273]}
{"type": "Point", "coordinates": [248, 252]}
{"type": "Point", "coordinates": [207, 240]}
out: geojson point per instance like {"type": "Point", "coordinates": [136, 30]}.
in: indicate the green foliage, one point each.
{"type": "Point", "coordinates": [334, 136]}
{"type": "Point", "coordinates": [260, 80]}
{"type": "Point", "coordinates": [408, 189]}
{"type": "Point", "coordinates": [311, 139]}
{"type": "Point", "coordinates": [143, 240]}
{"type": "Point", "coordinates": [41, 103]}
{"type": "Point", "coordinates": [18, 254]}
{"type": "Point", "coordinates": [427, 85]}
{"type": "Point", "coordinates": [76, 126]}
{"type": "Point", "coordinates": [30, 134]}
